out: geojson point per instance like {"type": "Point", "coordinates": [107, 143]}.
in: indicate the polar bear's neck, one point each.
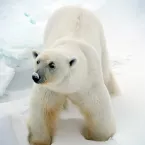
{"type": "Point", "coordinates": [91, 54]}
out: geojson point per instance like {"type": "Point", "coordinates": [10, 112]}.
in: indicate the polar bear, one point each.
{"type": "Point", "coordinates": [74, 65]}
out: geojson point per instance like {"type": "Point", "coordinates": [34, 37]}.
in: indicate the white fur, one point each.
{"type": "Point", "coordinates": [76, 32]}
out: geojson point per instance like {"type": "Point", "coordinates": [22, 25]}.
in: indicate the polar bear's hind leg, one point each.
{"type": "Point", "coordinates": [112, 86]}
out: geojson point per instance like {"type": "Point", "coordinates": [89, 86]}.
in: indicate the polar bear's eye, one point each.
{"type": "Point", "coordinates": [51, 65]}
{"type": "Point", "coordinates": [38, 61]}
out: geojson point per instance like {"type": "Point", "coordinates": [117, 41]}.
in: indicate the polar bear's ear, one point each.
{"type": "Point", "coordinates": [35, 53]}
{"type": "Point", "coordinates": [72, 61]}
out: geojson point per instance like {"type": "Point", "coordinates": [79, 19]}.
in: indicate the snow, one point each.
{"type": "Point", "coordinates": [5, 76]}
{"type": "Point", "coordinates": [124, 24]}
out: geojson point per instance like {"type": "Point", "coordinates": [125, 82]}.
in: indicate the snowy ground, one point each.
{"type": "Point", "coordinates": [124, 24]}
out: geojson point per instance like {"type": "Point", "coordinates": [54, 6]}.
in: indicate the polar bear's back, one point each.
{"type": "Point", "coordinates": [72, 21]}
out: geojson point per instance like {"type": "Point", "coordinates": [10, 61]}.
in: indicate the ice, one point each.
{"type": "Point", "coordinates": [6, 75]}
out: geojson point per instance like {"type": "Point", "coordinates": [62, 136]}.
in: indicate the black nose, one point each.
{"type": "Point", "coordinates": [35, 77]}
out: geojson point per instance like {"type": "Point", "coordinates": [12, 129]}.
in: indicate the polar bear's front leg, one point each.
{"type": "Point", "coordinates": [95, 105]}
{"type": "Point", "coordinates": [45, 108]}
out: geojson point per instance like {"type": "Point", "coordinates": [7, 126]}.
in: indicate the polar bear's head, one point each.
{"type": "Point", "coordinates": [57, 71]}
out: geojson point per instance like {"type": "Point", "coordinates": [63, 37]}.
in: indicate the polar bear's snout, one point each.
{"type": "Point", "coordinates": [36, 77]}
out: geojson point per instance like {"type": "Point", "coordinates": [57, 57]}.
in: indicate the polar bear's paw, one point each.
{"type": "Point", "coordinates": [91, 135]}
{"type": "Point", "coordinates": [37, 142]}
